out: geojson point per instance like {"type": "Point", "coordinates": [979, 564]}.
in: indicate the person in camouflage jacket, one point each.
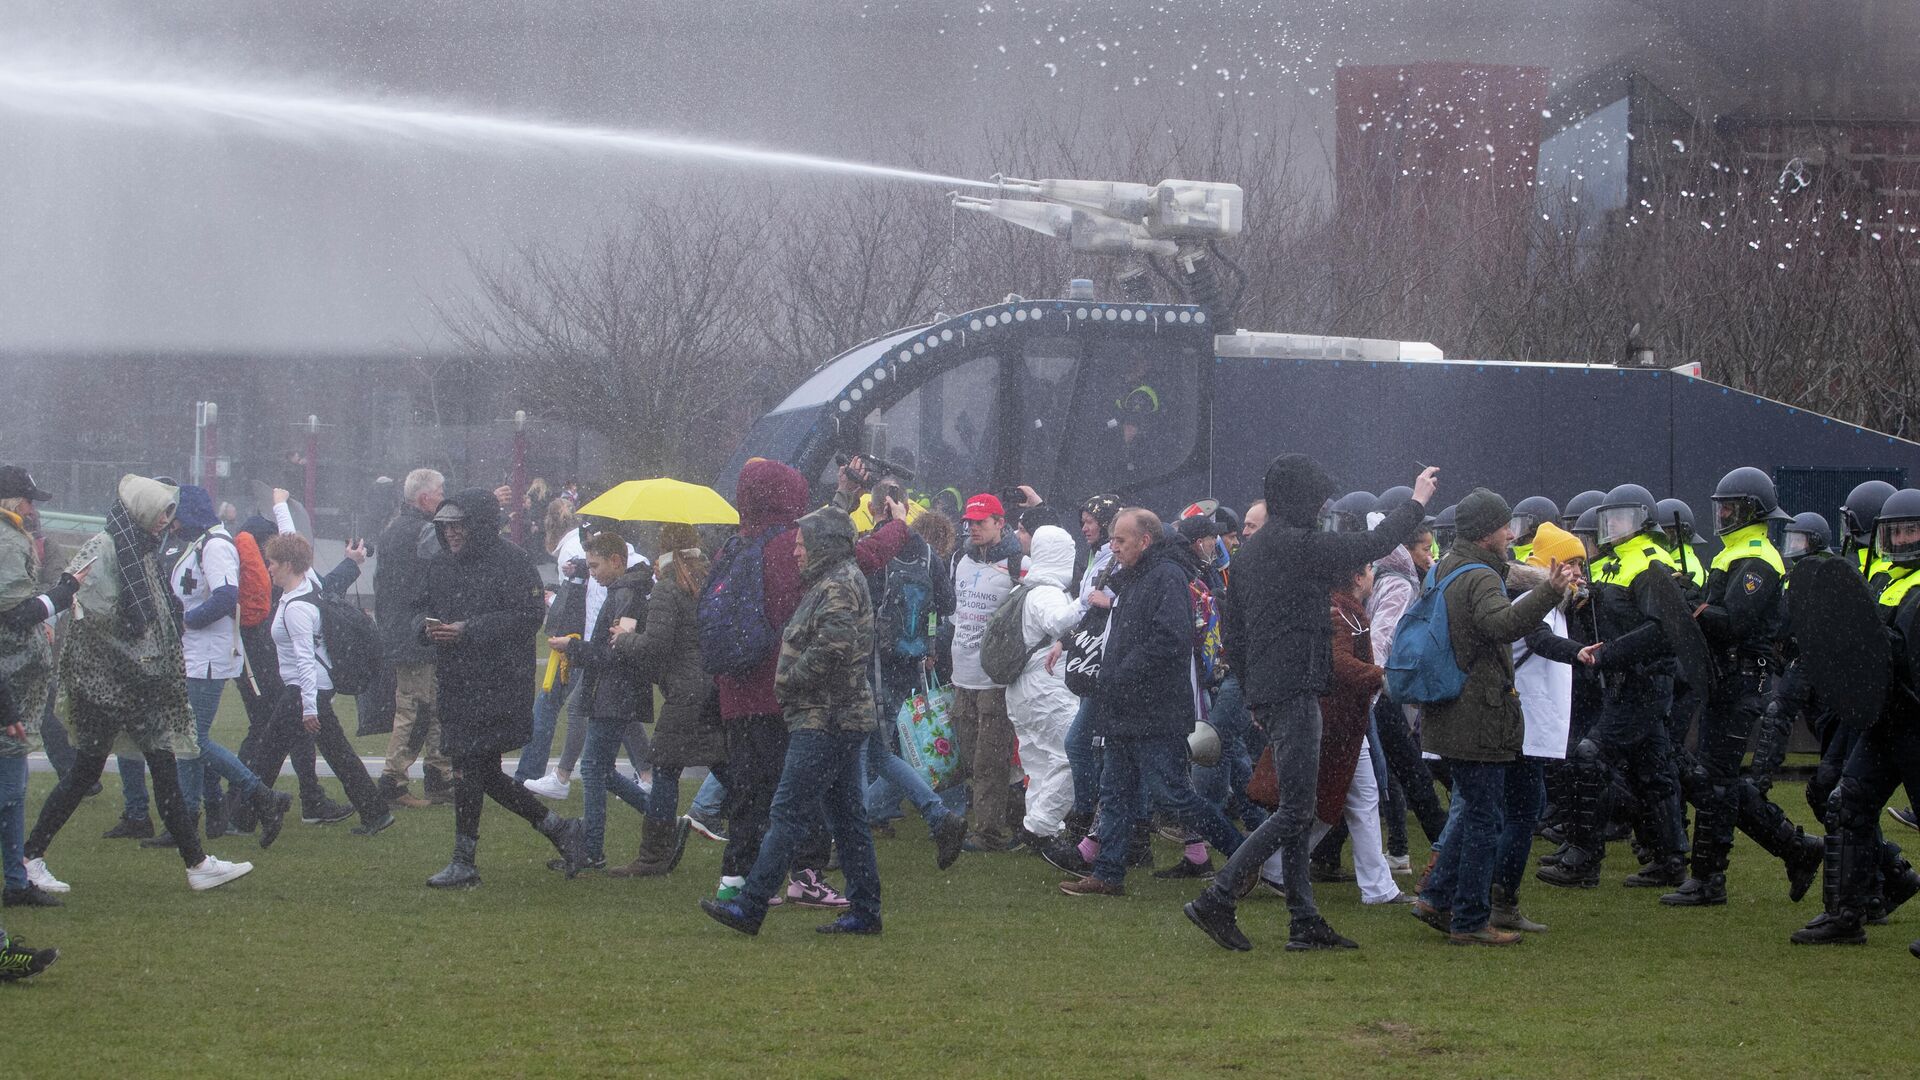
{"type": "Point", "coordinates": [823, 683]}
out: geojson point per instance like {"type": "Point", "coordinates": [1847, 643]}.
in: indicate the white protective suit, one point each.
{"type": "Point", "coordinates": [1039, 704]}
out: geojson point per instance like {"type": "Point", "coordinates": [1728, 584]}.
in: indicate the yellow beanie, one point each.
{"type": "Point", "coordinates": [1552, 543]}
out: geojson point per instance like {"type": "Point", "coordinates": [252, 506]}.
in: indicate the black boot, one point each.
{"type": "Point", "coordinates": [129, 829]}
{"type": "Point", "coordinates": [1577, 869]}
{"type": "Point", "coordinates": [271, 808]}
{"type": "Point", "coordinates": [460, 873]}
{"type": "Point", "coordinates": [569, 838]}
{"type": "Point", "coordinates": [1846, 887]}
{"type": "Point", "coordinates": [1313, 934]}
{"type": "Point", "coordinates": [1659, 873]}
{"type": "Point", "coordinates": [1709, 891]}
{"type": "Point", "coordinates": [1804, 865]}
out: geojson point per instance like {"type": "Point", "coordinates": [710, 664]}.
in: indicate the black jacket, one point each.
{"type": "Point", "coordinates": [612, 689]}
{"type": "Point", "coordinates": [399, 579]}
{"type": "Point", "coordinates": [1277, 633]}
{"type": "Point", "coordinates": [483, 681]}
{"type": "Point", "coordinates": [1146, 669]}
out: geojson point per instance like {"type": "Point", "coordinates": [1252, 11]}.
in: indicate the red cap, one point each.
{"type": "Point", "coordinates": [982, 507]}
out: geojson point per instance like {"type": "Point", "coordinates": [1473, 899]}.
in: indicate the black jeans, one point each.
{"type": "Point", "coordinates": [756, 757]}
{"type": "Point", "coordinates": [1405, 764]}
{"type": "Point", "coordinates": [477, 778]}
{"type": "Point", "coordinates": [286, 729]}
{"type": "Point", "coordinates": [264, 662]}
{"type": "Point", "coordinates": [73, 787]}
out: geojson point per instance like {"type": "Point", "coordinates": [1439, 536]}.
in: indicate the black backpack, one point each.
{"type": "Point", "coordinates": [906, 604]}
{"type": "Point", "coordinates": [353, 643]}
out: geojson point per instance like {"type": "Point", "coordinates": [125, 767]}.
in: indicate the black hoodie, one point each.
{"type": "Point", "coordinates": [1277, 634]}
{"type": "Point", "coordinates": [484, 680]}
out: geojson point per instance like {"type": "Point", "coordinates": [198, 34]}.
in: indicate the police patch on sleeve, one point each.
{"type": "Point", "coordinates": [1750, 581]}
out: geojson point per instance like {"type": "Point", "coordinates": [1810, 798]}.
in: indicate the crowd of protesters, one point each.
{"type": "Point", "coordinates": [1218, 678]}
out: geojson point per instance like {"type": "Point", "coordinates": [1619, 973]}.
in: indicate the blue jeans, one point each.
{"type": "Point", "coordinates": [133, 786]}
{"type": "Point", "coordinates": [1526, 794]}
{"type": "Point", "coordinates": [1464, 871]}
{"type": "Point", "coordinates": [891, 778]}
{"type": "Point", "coordinates": [13, 819]}
{"type": "Point", "coordinates": [203, 695]}
{"type": "Point", "coordinates": [708, 800]}
{"type": "Point", "coordinates": [546, 719]}
{"type": "Point", "coordinates": [598, 776]}
{"type": "Point", "coordinates": [663, 803]}
{"type": "Point", "coordinates": [1084, 760]}
{"type": "Point", "coordinates": [1138, 775]}
{"type": "Point", "coordinates": [822, 772]}
{"type": "Point", "coordinates": [1225, 785]}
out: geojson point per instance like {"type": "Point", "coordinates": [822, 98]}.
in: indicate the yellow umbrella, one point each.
{"type": "Point", "coordinates": [663, 499]}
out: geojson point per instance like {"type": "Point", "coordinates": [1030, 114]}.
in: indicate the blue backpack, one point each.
{"type": "Point", "coordinates": [906, 606]}
{"type": "Point", "coordinates": [1421, 669]}
{"type": "Point", "coordinates": [735, 636]}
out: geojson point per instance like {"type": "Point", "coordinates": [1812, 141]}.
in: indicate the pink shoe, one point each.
{"type": "Point", "coordinates": [807, 888]}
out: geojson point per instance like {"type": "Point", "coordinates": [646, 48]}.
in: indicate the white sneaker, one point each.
{"type": "Point", "coordinates": [1400, 864]}
{"type": "Point", "coordinates": [550, 786]}
{"type": "Point", "coordinates": [213, 873]}
{"type": "Point", "coordinates": [39, 875]}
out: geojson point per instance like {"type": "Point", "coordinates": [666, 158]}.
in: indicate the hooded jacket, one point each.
{"type": "Point", "coordinates": [822, 678]}
{"type": "Point", "coordinates": [1485, 723]}
{"type": "Point", "coordinates": [131, 677]}
{"type": "Point", "coordinates": [206, 581]}
{"type": "Point", "coordinates": [771, 497]}
{"type": "Point", "coordinates": [1146, 687]}
{"type": "Point", "coordinates": [1049, 612]}
{"type": "Point", "coordinates": [484, 680]}
{"type": "Point", "coordinates": [1276, 624]}
{"type": "Point", "coordinates": [26, 647]}
{"type": "Point", "coordinates": [1395, 587]}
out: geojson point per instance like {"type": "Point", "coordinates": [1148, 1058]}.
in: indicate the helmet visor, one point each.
{"type": "Point", "coordinates": [1619, 522]}
{"type": "Point", "coordinates": [1899, 540]}
{"type": "Point", "coordinates": [1734, 514]}
{"type": "Point", "coordinates": [1795, 544]}
{"type": "Point", "coordinates": [1521, 524]}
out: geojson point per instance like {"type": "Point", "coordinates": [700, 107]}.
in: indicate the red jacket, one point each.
{"type": "Point", "coordinates": [771, 497]}
{"type": "Point", "coordinates": [1347, 706]}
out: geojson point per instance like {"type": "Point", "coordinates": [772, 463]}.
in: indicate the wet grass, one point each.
{"type": "Point", "coordinates": [331, 959]}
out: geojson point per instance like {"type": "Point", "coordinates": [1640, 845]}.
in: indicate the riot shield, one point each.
{"type": "Point", "coordinates": [1663, 602]}
{"type": "Point", "coordinates": [1842, 640]}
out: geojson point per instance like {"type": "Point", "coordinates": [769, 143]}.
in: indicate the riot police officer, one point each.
{"type": "Point", "coordinates": [1861, 885]}
{"type": "Point", "coordinates": [1676, 524]}
{"type": "Point", "coordinates": [1528, 515]}
{"type": "Point", "coordinates": [1578, 506]}
{"type": "Point", "coordinates": [1642, 624]}
{"type": "Point", "coordinates": [1743, 620]}
{"type": "Point", "coordinates": [1858, 516]}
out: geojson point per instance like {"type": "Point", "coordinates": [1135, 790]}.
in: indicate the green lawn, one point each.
{"type": "Point", "coordinates": [332, 959]}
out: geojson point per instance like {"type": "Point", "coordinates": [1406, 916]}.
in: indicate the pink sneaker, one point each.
{"type": "Point", "coordinates": [807, 888]}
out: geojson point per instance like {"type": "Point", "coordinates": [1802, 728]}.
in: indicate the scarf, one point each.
{"type": "Point", "coordinates": [131, 546]}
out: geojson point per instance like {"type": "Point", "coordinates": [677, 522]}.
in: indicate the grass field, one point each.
{"type": "Point", "coordinates": [332, 959]}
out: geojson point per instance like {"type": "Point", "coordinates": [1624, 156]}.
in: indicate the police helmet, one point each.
{"type": "Point", "coordinates": [1588, 524]}
{"type": "Point", "coordinates": [1862, 509]}
{"type": "Point", "coordinates": [1349, 512]}
{"type": "Point", "coordinates": [1443, 528]}
{"type": "Point", "coordinates": [1806, 534]}
{"type": "Point", "coordinates": [1623, 512]}
{"type": "Point", "coordinates": [1580, 504]}
{"type": "Point", "coordinates": [1530, 512]}
{"type": "Point", "coordinates": [1745, 496]}
{"type": "Point", "coordinates": [1897, 536]}
{"type": "Point", "coordinates": [1393, 499]}
{"type": "Point", "coordinates": [1667, 511]}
